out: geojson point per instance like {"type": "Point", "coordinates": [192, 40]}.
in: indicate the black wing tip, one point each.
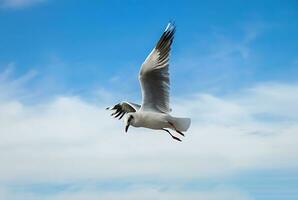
{"type": "Point", "coordinates": [122, 108]}
{"type": "Point", "coordinates": [167, 36]}
{"type": "Point", "coordinates": [171, 26]}
{"type": "Point", "coordinates": [170, 30]}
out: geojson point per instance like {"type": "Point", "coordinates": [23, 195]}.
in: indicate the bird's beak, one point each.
{"type": "Point", "coordinates": [126, 128]}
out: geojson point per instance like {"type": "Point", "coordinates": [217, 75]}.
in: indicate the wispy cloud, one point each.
{"type": "Point", "coordinates": [19, 3]}
{"type": "Point", "coordinates": [15, 87]}
{"type": "Point", "coordinates": [221, 58]}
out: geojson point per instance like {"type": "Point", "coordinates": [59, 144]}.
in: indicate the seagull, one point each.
{"type": "Point", "coordinates": [154, 79]}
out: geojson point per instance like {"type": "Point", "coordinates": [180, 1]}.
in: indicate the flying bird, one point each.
{"type": "Point", "coordinates": [154, 79]}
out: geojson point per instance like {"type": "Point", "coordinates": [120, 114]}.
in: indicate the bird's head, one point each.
{"type": "Point", "coordinates": [129, 120]}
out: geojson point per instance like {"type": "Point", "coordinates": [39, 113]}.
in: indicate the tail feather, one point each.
{"type": "Point", "coordinates": [182, 124]}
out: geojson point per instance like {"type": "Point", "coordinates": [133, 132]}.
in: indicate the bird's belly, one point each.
{"type": "Point", "coordinates": [155, 125]}
{"type": "Point", "coordinates": [154, 122]}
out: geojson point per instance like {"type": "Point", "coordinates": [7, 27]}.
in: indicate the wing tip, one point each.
{"type": "Point", "coordinates": [170, 26]}
{"type": "Point", "coordinates": [167, 36]}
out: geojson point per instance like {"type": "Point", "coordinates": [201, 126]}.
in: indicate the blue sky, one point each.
{"type": "Point", "coordinates": [62, 62]}
{"type": "Point", "coordinates": [79, 45]}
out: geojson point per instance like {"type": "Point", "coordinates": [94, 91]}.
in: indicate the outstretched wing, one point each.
{"type": "Point", "coordinates": [122, 108]}
{"type": "Point", "coordinates": [154, 74]}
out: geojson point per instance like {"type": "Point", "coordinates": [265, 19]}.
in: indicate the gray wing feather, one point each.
{"type": "Point", "coordinates": [154, 74]}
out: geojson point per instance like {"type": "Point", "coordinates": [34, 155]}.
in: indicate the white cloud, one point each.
{"type": "Point", "coordinates": [19, 3]}
{"type": "Point", "coordinates": [69, 138]}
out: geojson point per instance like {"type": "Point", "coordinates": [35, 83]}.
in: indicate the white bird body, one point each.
{"type": "Point", "coordinates": [150, 120]}
{"type": "Point", "coordinates": [158, 121]}
{"type": "Point", "coordinates": [155, 84]}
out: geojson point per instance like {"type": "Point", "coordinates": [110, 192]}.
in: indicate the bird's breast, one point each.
{"type": "Point", "coordinates": [151, 120]}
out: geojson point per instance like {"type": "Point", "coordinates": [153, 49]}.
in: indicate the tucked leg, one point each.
{"type": "Point", "coordinates": [176, 129]}
{"type": "Point", "coordinates": [171, 134]}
